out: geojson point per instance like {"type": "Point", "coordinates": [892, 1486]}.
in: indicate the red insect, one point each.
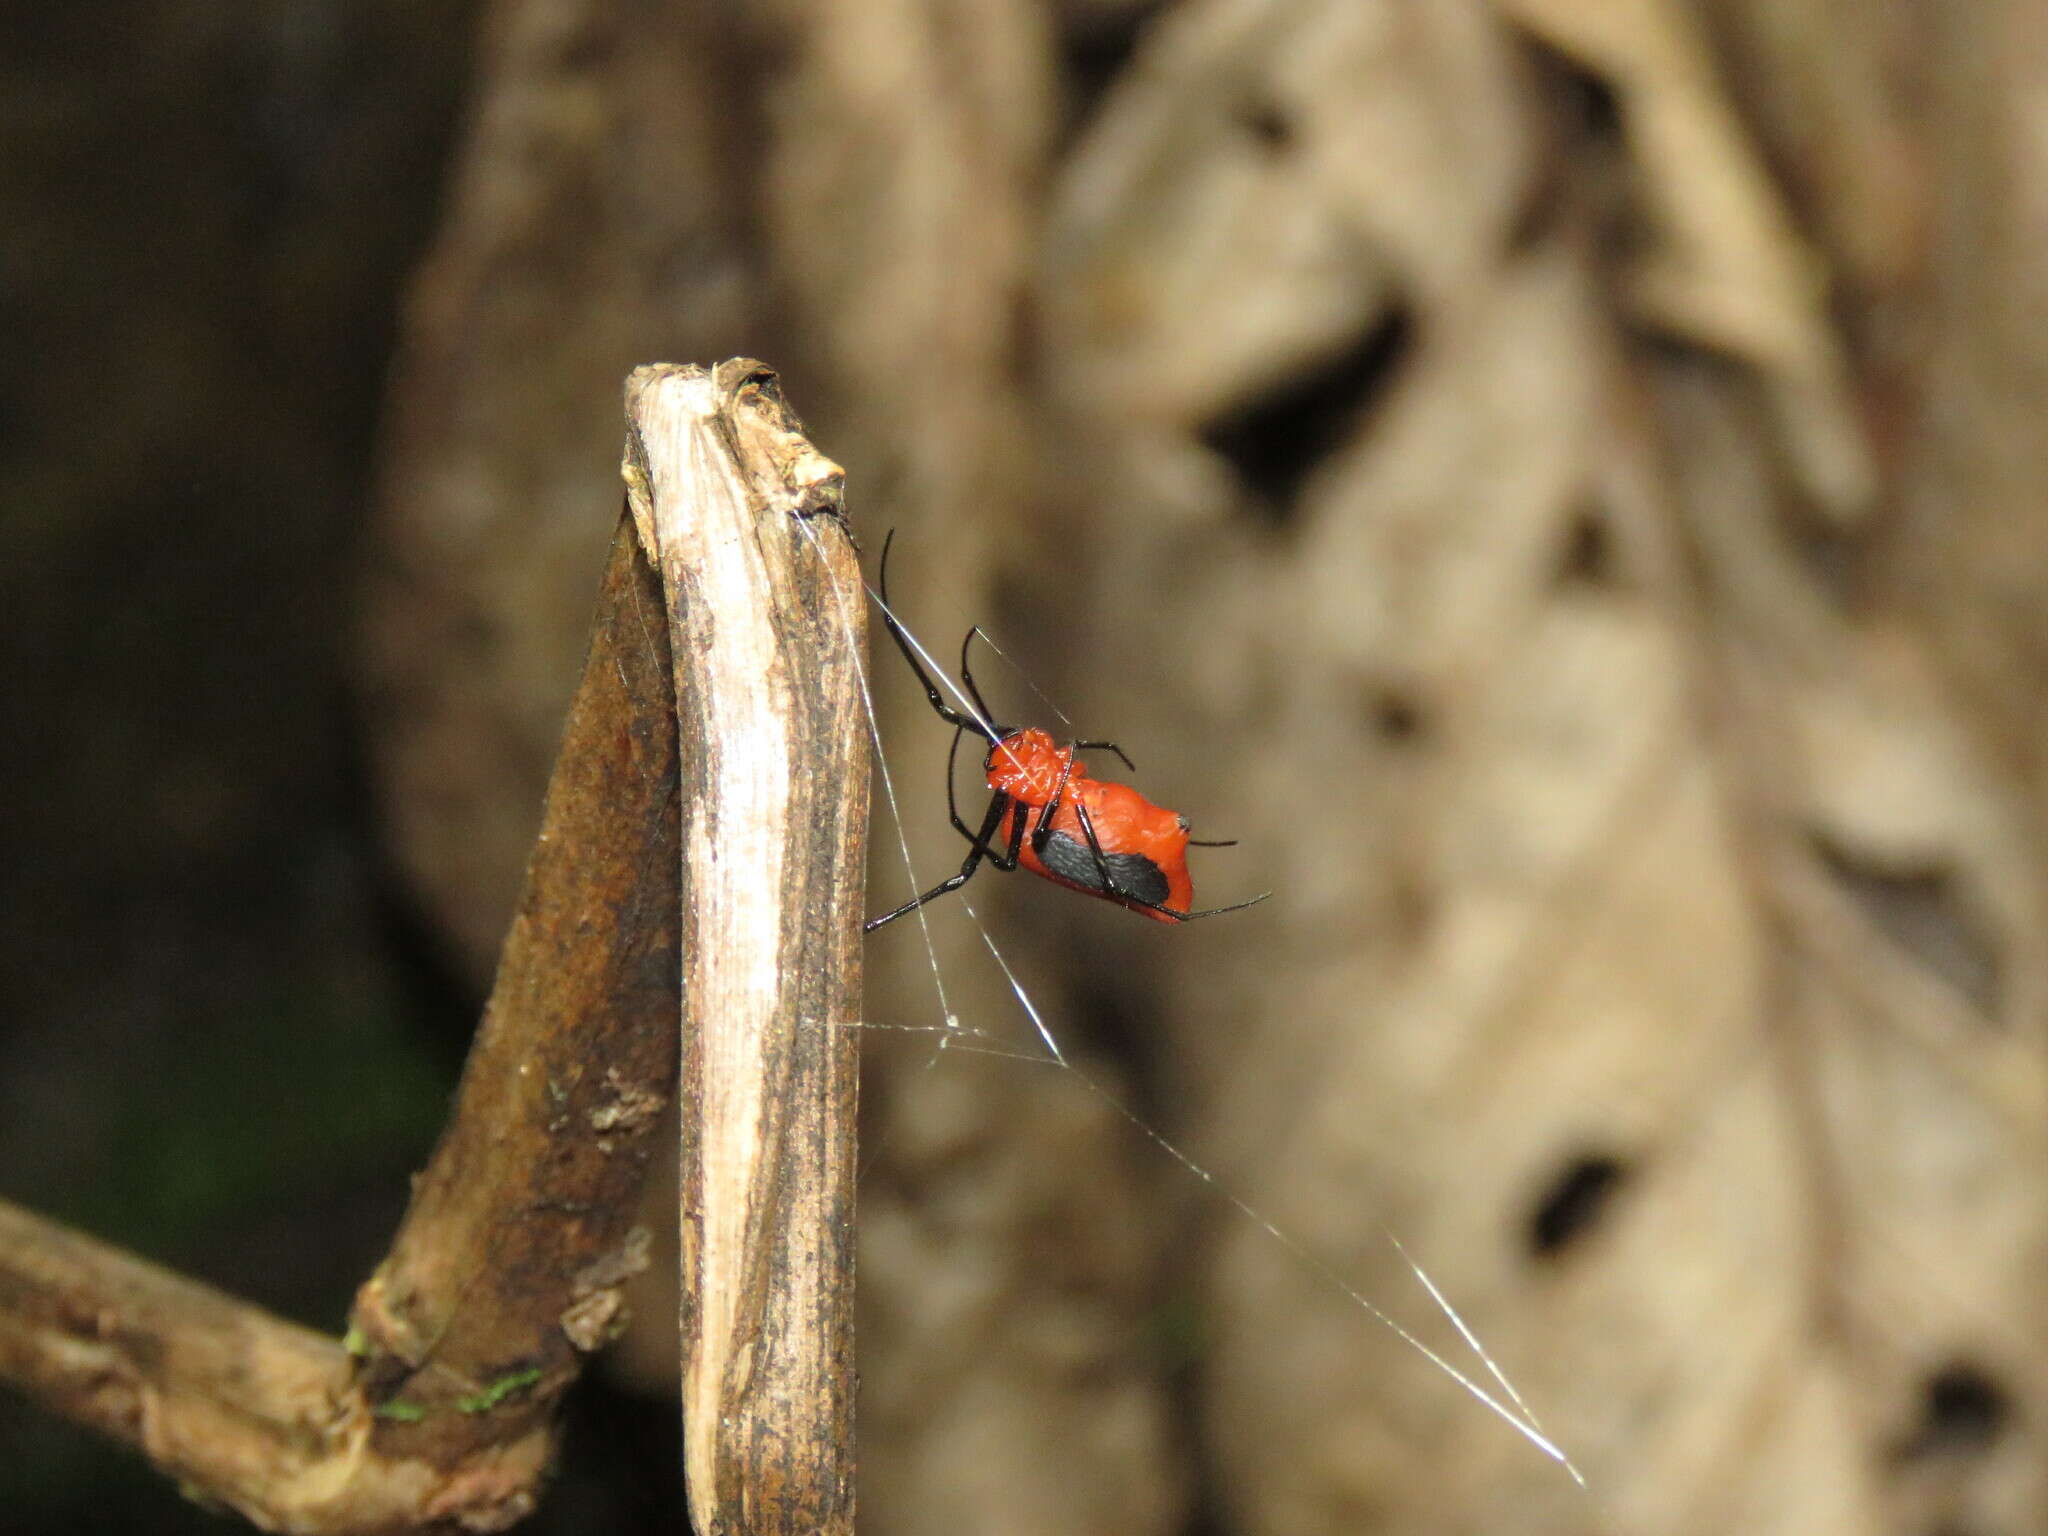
{"type": "Point", "coordinates": [1047, 814]}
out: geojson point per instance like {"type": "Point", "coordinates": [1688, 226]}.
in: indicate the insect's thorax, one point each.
{"type": "Point", "coordinates": [1028, 765]}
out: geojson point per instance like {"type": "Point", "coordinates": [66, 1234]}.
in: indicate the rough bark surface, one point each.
{"type": "Point", "coordinates": [509, 1264]}
{"type": "Point", "coordinates": [763, 597]}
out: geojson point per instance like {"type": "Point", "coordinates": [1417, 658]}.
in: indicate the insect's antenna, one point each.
{"type": "Point", "coordinates": [1107, 746]}
{"type": "Point", "coordinates": [979, 723]}
{"type": "Point", "coordinates": [1235, 906]}
{"type": "Point", "coordinates": [1228, 842]}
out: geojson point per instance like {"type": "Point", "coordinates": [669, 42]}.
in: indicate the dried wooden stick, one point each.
{"type": "Point", "coordinates": [509, 1265]}
{"type": "Point", "coordinates": [245, 1408]}
{"type": "Point", "coordinates": [740, 514]}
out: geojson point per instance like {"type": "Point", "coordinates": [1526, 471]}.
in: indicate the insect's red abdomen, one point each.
{"type": "Point", "coordinates": [1028, 766]}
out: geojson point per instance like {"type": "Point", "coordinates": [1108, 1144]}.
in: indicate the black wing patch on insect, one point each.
{"type": "Point", "coordinates": [1130, 874]}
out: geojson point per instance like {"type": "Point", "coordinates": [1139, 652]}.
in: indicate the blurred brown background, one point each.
{"type": "Point", "coordinates": [1563, 483]}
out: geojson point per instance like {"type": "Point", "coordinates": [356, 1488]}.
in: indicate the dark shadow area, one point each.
{"type": "Point", "coordinates": [1094, 48]}
{"type": "Point", "coordinates": [1922, 911]}
{"type": "Point", "coordinates": [1962, 1413]}
{"type": "Point", "coordinates": [1275, 440]}
{"type": "Point", "coordinates": [1575, 1203]}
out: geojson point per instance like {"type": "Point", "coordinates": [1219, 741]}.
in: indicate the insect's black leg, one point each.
{"type": "Point", "coordinates": [1041, 829]}
{"type": "Point", "coordinates": [1188, 917]}
{"type": "Point", "coordinates": [1009, 860]}
{"type": "Point", "coordinates": [975, 855]}
{"type": "Point", "coordinates": [946, 712]}
{"type": "Point", "coordinates": [1001, 860]}
{"type": "Point", "coordinates": [952, 802]}
{"type": "Point", "coordinates": [967, 675]}
{"type": "Point", "coordinates": [1095, 851]}
{"type": "Point", "coordinates": [1102, 873]}
{"type": "Point", "coordinates": [1107, 746]}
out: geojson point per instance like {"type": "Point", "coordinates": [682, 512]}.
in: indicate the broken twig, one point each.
{"type": "Point", "coordinates": [739, 512]}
